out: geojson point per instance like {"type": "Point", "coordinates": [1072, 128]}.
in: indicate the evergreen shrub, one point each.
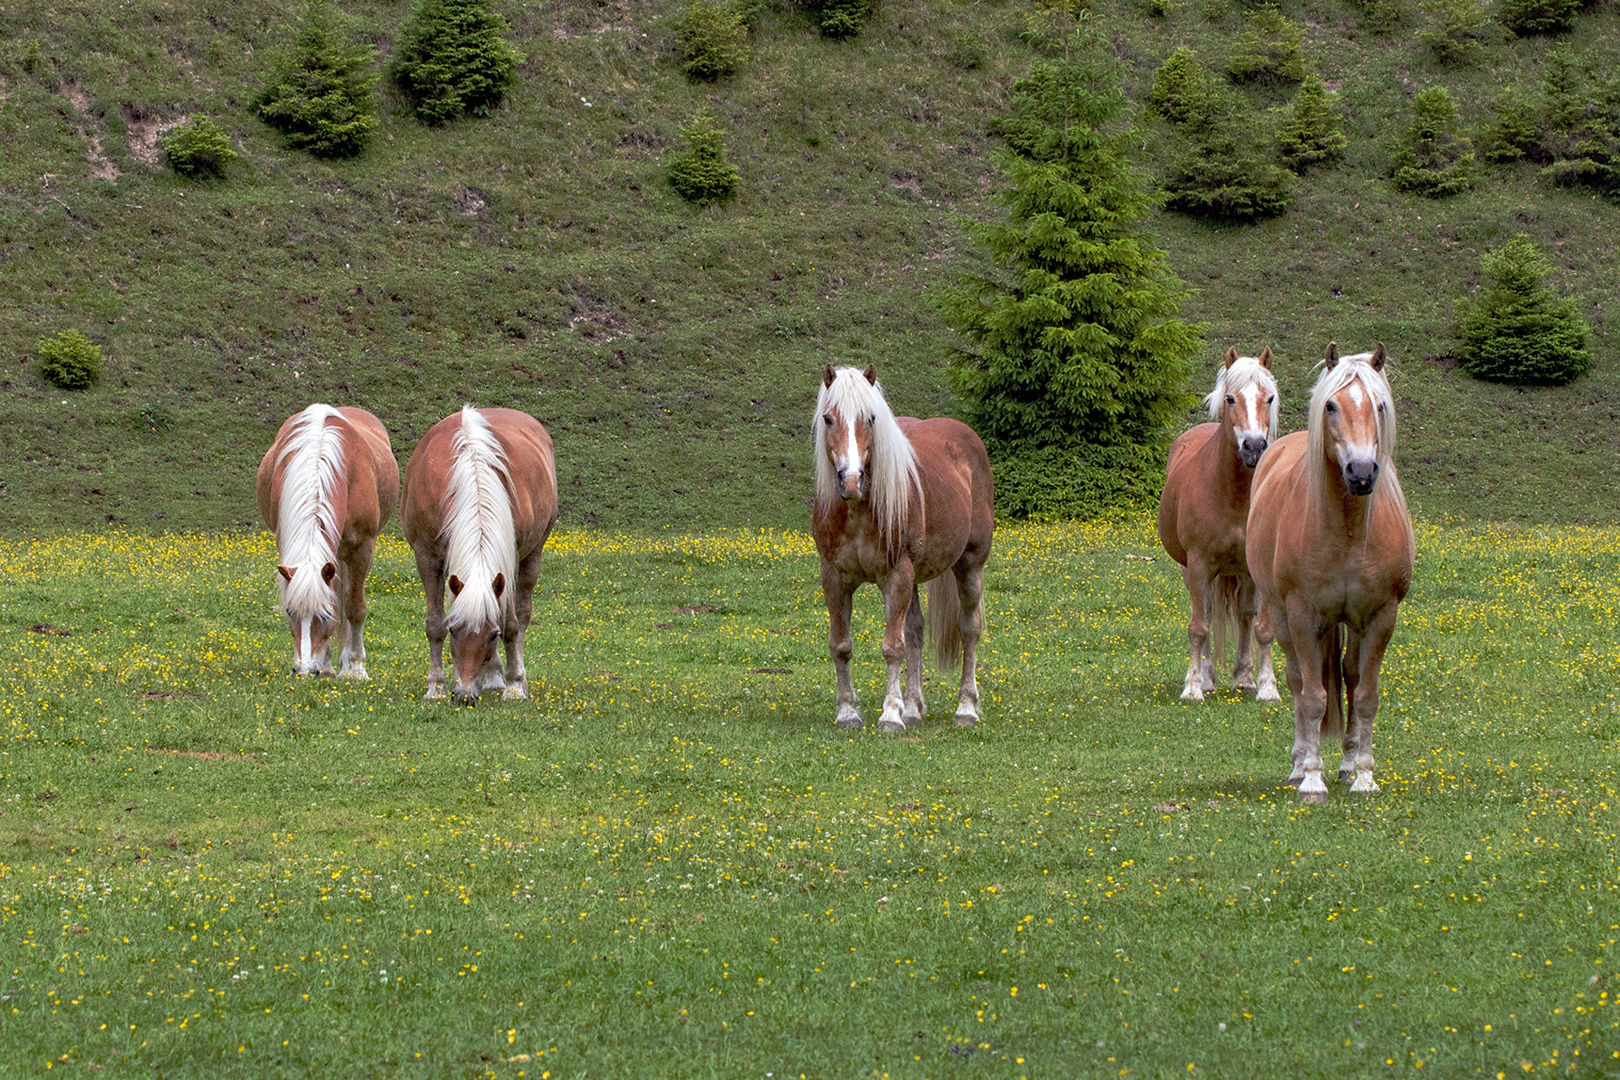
{"type": "Point", "coordinates": [1527, 17]}
{"type": "Point", "coordinates": [1515, 131]}
{"type": "Point", "coordinates": [1453, 28]}
{"type": "Point", "coordinates": [1433, 158]}
{"type": "Point", "coordinates": [1181, 90]}
{"type": "Point", "coordinates": [1268, 51]}
{"type": "Point", "coordinates": [1222, 175]}
{"type": "Point", "coordinates": [1311, 136]}
{"type": "Point", "coordinates": [1516, 330]}
{"type": "Point", "coordinates": [69, 360]}
{"type": "Point", "coordinates": [842, 18]}
{"type": "Point", "coordinates": [712, 38]}
{"type": "Point", "coordinates": [198, 148]}
{"type": "Point", "coordinates": [452, 59]}
{"type": "Point", "coordinates": [319, 94]}
{"type": "Point", "coordinates": [701, 174]}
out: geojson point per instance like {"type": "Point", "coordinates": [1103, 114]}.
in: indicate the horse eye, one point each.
{"type": "Point", "coordinates": [871, 420]}
{"type": "Point", "coordinates": [827, 419]}
{"type": "Point", "coordinates": [1332, 406]}
{"type": "Point", "coordinates": [1230, 400]}
{"type": "Point", "coordinates": [1380, 406]}
{"type": "Point", "coordinates": [1271, 399]}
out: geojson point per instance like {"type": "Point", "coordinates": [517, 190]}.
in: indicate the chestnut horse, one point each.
{"type": "Point", "coordinates": [1331, 550]}
{"type": "Point", "coordinates": [480, 501]}
{"type": "Point", "coordinates": [900, 501]}
{"type": "Point", "coordinates": [326, 487]}
{"type": "Point", "coordinates": [1202, 515]}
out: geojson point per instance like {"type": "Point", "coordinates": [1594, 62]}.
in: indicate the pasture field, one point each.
{"type": "Point", "coordinates": [669, 861]}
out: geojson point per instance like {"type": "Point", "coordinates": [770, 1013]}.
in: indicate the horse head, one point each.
{"type": "Point", "coordinates": [310, 601]}
{"type": "Point", "coordinates": [1356, 416]}
{"type": "Point", "coordinates": [846, 437]}
{"type": "Point", "coordinates": [474, 627]}
{"type": "Point", "coordinates": [1247, 403]}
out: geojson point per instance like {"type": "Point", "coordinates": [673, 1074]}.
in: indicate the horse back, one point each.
{"type": "Point", "coordinates": [373, 472]}
{"type": "Point", "coordinates": [427, 477]}
{"type": "Point", "coordinates": [532, 474]}
{"type": "Point", "coordinates": [958, 493]}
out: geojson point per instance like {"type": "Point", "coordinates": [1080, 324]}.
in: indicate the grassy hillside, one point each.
{"type": "Point", "coordinates": [538, 259]}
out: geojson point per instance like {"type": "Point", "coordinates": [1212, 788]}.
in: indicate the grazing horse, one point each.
{"type": "Point", "coordinates": [1330, 547]}
{"type": "Point", "coordinates": [326, 487]}
{"type": "Point", "coordinates": [480, 501]}
{"type": "Point", "coordinates": [900, 501]}
{"type": "Point", "coordinates": [1202, 516]}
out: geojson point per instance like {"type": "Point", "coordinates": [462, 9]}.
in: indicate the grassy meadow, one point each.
{"type": "Point", "coordinates": [669, 860]}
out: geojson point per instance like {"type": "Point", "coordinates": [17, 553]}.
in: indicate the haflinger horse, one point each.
{"type": "Point", "coordinates": [1203, 512]}
{"type": "Point", "coordinates": [480, 501]}
{"type": "Point", "coordinates": [326, 487]}
{"type": "Point", "coordinates": [900, 501]}
{"type": "Point", "coordinates": [1330, 548]}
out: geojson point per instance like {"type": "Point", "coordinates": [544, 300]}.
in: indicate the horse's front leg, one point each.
{"type": "Point", "coordinates": [897, 594]}
{"type": "Point", "coordinates": [970, 591]}
{"type": "Point", "coordinates": [355, 568]}
{"type": "Point", "coordinates": [1243, 661]}
{"type": "Point", "coordinates": [1305, 658]}
{"type": "Point", "coordinates": [517, 676]}
{"type": "Point", "coordinates": [1200, 669]}
{"type": "Point", "coordinates": [432, 574]}
{"type": "Point", "coordinates": [1363, 660]}
{"type": "Point", "coordinates": [1265, 682]}
{"type": "Point", "coordinates": [915, 708]}
{"type": "Point", "coordinates": [840, 596]}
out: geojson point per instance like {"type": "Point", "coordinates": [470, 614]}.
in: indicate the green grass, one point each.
{"type": "Point", "coordinates": [539, 259]}
{"type": "Point", "coordinates": [670, 860]}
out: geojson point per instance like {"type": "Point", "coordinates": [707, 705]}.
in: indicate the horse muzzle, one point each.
{"type": "Point", "coordinates": [1360, 477]}
{"type": "Point", "coordinates": [1250, 447]}
{"type": "Point", "coordinates": [849, 492]}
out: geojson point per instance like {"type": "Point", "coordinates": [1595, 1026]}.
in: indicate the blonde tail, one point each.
{"type": "Point", "coordinates": [1222, 607]}
{"type": "Point", "coordinates": [945, 620]}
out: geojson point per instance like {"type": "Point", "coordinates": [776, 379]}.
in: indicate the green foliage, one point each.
{"type": "Point", "coordinates": [701, 174]}
{"type": "Point", "coordinates": [1382, 17]}
{"type": "Point", "coordinates": [1516, 330]}
{"type": "Point", "coordinates": [1434, 158]}
{"type": "Point", "coordinates": [1452, 29]}
{"type": "Point", "coordinates": [452, 59]}
{"type": "Point", "coordinates": [712, 38]}
{"type": "Point", "coordinates": [1268, 51]}
{"type": "Point", "coordinates": [1181, 90]}
{"type": "Point", "coordinates": [1311, 136]}
{"type": "Point", "coordinates": [1222, 174]}
{"type": "Point", "coordinates": [1527, 17]}
{"type": "Point", "coordinates": [1077, 365]}
{"type": "Point", "coordinates": [70, 360]}
{"type": "Point", "coordinates": [1515, 131]}
{"type": "Point", "coordinates": [198, 148]}
{"type": "Point", "coordinates": [319, 94]}
{"type": "Point", "coordinates": [842, 18]}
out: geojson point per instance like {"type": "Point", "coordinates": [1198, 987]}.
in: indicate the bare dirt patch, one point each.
{"type": "Point", "coordinates": [144, 130]}
{"type": "Point", "coordinates": [101, 168]}
{"type": "Point", "coordinates": [207, 755]}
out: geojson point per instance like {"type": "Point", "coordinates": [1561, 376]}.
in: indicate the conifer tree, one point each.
{"type": "Point", "coordinates": [319, 94]}
{"type": "Point", "coordinates": [701, 174]}
{"type": "Point", "coordinates": [1514, 133]}
{"type": "Point", "coordinates": [1077, 361]}
{"type": "Point", "coordinates": [452, 59]}
{"type": "Point", "coordinates": [1181, 92]}
{"type": "Point", "coordinates": [1516, 330]}
{"type": "Point", "coordinates": [1434, 157]}
{"type": "Point", "coordinates": [1222, 174]}
{"type": "Point", "coordinates": [1311, 136]}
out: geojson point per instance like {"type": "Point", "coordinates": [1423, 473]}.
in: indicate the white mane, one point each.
{"type": "Point", "coordinates": [480, 538]}
{"type": "Point", "coordinates": [1246, 371]}
{"type": "Point", "coordinates": [307, 529]}
{"type": "Point", "coordinates": [1351, 369]}
{"type": "Point", "coordinates": [894, 460]}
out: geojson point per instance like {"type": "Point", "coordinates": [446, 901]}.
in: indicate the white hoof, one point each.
{"type": "Point", "coordinates": [434, 693]}
{"type": "Point", "coordinates": [357, 672]}
{"type": "Point", "coordinates": [1312, 789]}
{"type": "Point", "coordinates": [891, 722]}
{"type": "Point", "coordinates": [1267, 693]}
{"type": "Point", "coordinates": [1364, 784]}
{"type": "Point", "coordinates": [848, 717]}
{"type": "Point", "coordinates": [1192, 692]}
{"type": "Point", "coordinates": [966, 718]}
{"type": "Point", "coordinates": [515, 692]}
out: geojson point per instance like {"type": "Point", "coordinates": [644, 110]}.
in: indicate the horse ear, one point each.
{"type": "Point", "coordinates": [499, 585]}
{"type": "Point", "coordinates": [455, 585]}
{"type": "Point", "coordinates": [1265, 357]}
{"type": "Point", "coordinates": [286, 572]}
{"type": "Point", "coordinates": [328, 572]}
{"type": "Point", "coordinates": [1331, 360]}
{"type": "Point", "coordinates": [827, 375]}
{"type": "Point", "coordinates": [871, 374]}
{"type": "Point", "coordinates": [1378, 357]}
{"type": "Point", "coordinates": [1231, 355]}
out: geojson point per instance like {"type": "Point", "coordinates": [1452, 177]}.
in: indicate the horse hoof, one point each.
{"type": "Point", "coordinates": [892, 727]}
{"type": "Point", "coordinates": [434, 693]}
{"type": "Point", "coordinates": [515, 693]}
{"type": "Point", "coordinates": [1292, 781]}
{"type": "Point", "coordinates": [1269, 694]}
{"type": "Point", "coordinates": [848, 722]}
{"type": "Point", "coordinates": [966, 720]}
{"type": "Point", "coordinates": [1243, 684]}
{"type": "Point", "coordinates": [1364, 784]}
{"type": "Point", "coordinates": [1313, 796]}
{"type": "Point", "coordinates": [357, 672]}
{"type": "Point", "coordinates": [1192, 693]}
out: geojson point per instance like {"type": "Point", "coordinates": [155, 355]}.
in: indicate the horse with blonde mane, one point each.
{"type": "Point", "coordinates": [480, 501]}
{"type": "Point", "coordinates": [326, 487]}
{"type": "Point", "coordinates": [900, 501]}
{"type": "Point", "coordinates": [1203, 513]}
{"type": "Point", "coordinates": [1331, 550]}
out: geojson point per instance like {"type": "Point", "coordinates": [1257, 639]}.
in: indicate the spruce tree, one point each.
{"type": "Point", "coordinates": [1222, 174]}
{"type": "Point", "coordinates": [1077, 361]}
{"type": "Point", "coordinates": [452, 59]}
{"type": "Point", "coordinates": [701, 174]}
{"type": "Point", "coordinates": [1434, 157]}
{"type": "Point", "coordinates": [1181, 92]}
{"type": "Point", "coordinates": [1311, 136]}
{"type": "Point", "coordinates": [319, 94]}
{"type": "Point", "coordinates": [1516, 330]}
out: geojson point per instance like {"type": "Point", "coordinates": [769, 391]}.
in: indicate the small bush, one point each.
{"type": "Point", "coordinates": [1527, 17]}
{"type": "Point", "coordinates": [1382, 17]}
{"type": "Point", "coordinates": [69, 360]}
{"type": "Point", "coordinates": [1434, 158]}
{"type": "Point", "coordinates": [319, 95]}
{"type": "Point", "coordinates": [843, 18]}
{"type": "Point", "coordinates": [1181, 92]}
{"type": "Point", "coordinates": [1268, 50]}
{"type": "Point", "coordinates": [1515, 133]}
{"type": "Point", "coordinates": [1221, 176]}
{"type": "Point", "coordinates": [198, 148]}
{"type": "Point", "coordinates": [712, 38]}
{"type": "Point", "coordinates": [1453, 28]}
{"type": "Point", "coordinates": [1311, 136]}
{"type": "Point", "coordinates": [702, 174]}
{"type": "Point", "coordinates": [451, 59]}
{"type": "Point", "coordinates": [1516, 330]}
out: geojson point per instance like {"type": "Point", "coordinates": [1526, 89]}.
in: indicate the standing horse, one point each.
{"type": "Point", "coordinates": [326, 486]}
{"type": "Point", "coordinates": [1331, 550]}
{"type": "Point", "coordinates": [480, 501]}
{"type": "Point", "coordinates": [900, 501]}
{"type": "Point", "coordinates": [1203, 512]}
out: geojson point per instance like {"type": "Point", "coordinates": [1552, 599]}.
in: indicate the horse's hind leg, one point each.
{"type": "Point", "coordinates": [915, 707]}
{"type": "Point", "coordinates": [970, 590]}
{"type": "Point", "coordinates": [840, 599]}
{"type": "Point", "coordinates": [1200, 669]}
{"type": "Point", "coordinates": [517, 676]}
{"type": "Point", "coordinates": [1241, 604]}
{"type": "Point", "coordinates": [355, 569]}
{"type": "Point", "coordinates": [1362, 663]}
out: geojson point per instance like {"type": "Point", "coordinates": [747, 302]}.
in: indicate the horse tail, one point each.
{"type": "Point", "coordinates": [1222, 607]}
{"type": "Point", "coordinates": [945, 620]}
{"type": "Point", "coordinates": [1333, 683]}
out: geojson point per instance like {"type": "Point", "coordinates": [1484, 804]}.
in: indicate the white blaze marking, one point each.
{"type": "Point", "coordinates": [1355, 392]}
{"type": "Point", "coordinates": [303, 640]}
{"type": "Point", "coordinates": [851, 450]}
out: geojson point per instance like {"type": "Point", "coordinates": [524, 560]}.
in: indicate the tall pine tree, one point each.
{"type": "Point", "coordinates": [1078, 360]}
